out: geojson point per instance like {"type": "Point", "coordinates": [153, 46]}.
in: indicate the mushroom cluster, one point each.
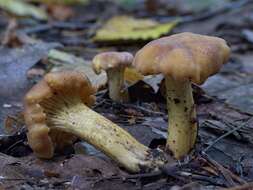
{"type": "Point", "coordinates": [57, 111]}
{"type": "Point", "coordinates": [57, 108]}
{"type": "Point", "coordinates": [182, 58]}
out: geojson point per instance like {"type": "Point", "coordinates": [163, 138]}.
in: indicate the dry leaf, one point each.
{"type": "Point", "coordinates": [66, 61]}
{"type": "Point", "coordinates": [13, 124]}
{"type": "Point", "coordinates": [129, 28]}
{"type": "Point", "coordinates": [21, 8]}
{"type": "Point", "coordinates": [60, 12]}
{"type": "Point", "coordinates": [132, 76]}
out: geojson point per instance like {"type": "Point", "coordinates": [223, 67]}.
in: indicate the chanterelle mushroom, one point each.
{"type": "Point", "coordinates": [182, 58]}
{"type": "Point", "coordinates": [56, 110]}
{"type": "Point", "coordinates": [114, 63]}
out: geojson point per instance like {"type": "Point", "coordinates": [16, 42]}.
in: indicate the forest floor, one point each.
{"type": "Point", "coordinates": [223, 156]}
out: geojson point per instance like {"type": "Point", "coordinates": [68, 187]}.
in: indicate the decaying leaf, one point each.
{"type": "Point", "coordinates": [14, 64]}
{"type": "Point", "coordinates": [132, 76]}
{"type": "Point", "coordinates": [20, 8]}
{"type": "Point", "coordinates": [62, 2]}
{"type": "Point", "coordinates": [129, 28]}
{"type": "Point", "coordinates": [154, 81]}
{"type": "Point", "coordinates": [63, 61]}
{"type": "Point", "coordinates": [74, 171]}
{"type": "Point", "coordinates": [13, 124]}
{"type": "Point", "coordinates": [60, 12]}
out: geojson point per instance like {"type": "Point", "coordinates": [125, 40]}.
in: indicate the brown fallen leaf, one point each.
{"type": "Point", "coordinates": [77, 165]}
{"type": "Point", "coordinates": [10, 38]}
{"type": "Point", "coordinates": [60, 12]}
{"type": "Point", "coordinates": [51, 173]}
{"type": "Point", "coordinates": [13, 124]}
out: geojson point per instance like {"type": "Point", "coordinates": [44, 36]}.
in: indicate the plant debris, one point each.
{"type": "Point", "coordinates": [42, 36]}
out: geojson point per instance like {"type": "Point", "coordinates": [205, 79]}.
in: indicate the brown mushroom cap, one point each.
{"type": "Point", "coordinates": [70, 84]}
{"type": "Point", "coordinates": [110, 60]}
{"type": "Point", "coordinates": [183, 56]}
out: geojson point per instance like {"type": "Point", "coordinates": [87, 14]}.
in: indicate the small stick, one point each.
{"type": "Point", "coordinates": [248, 186]}
{"type": "Point", "coordinates": [223, 170]}
{"type": "Point", "coordinates": [226, 134]}
{"type": "Point", "coordinates": [145, 110]}
{"type": "Point", "coordinates": [123, 177]}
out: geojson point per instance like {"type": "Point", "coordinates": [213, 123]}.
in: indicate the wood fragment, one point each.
{"type": "Point", "coordinates": [248, 186]}
{"type": "Point", "coordinates": [222, 170]}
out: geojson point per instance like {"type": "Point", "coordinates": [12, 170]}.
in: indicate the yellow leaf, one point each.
{"type": "Point", "coordinates": [21, 8]}
{"type": "Point", "coordinates": [129, 28]}
{"type": "Point", "coordinates": [132, 76]}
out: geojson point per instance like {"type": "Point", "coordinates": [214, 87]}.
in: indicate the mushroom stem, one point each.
{"type": "Point", "coordinates": [100, 132]}
{"type": "Point", "coordinates": [182, 131]}
{"type": "Point", "coordinates": [117, 92]}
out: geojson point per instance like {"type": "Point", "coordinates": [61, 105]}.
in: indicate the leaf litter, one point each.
{"type": "Point", "coordinates": [223, 155]}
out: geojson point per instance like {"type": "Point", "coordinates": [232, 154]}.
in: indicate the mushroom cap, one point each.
{"type": "Point", "coordinates": [70, 84]}
{"type": "Point", "coordinates": [111, 60]}
{"type": "Point", "coordinates": [184, 56]}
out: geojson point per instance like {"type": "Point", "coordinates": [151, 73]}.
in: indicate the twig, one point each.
{"type": "Point", "coordinates": [223, 170]}
{"type": "Point", "coordinates": [15, 144]}
{"type": "Point", "coordinates": [199, 177]}
{"type": "Point", "coordinates": [2, 178]}
{"type": "Point", "coordinates": [234, 176]}
{"type": "Point", "coordinates": [237, 178]}
{"type": "Point", "coordinates": [248, 186]}
{"type": "Point", "coordinates": [226, 134]}
{"type": "Point", "coordinates": [123, 177]}
{"type": "Point", "coordinates": [144, 110]}
{"type": "Point", "coordinates": [98, 104]}
{"type": "Point", "coordinates": [175, 171]}
{"type": "Point", "coordinates": [9, 32]}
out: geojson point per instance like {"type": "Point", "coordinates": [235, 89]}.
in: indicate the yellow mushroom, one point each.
{"type": "Point", "coordinates": [182, 58]}
{"type": "Point", "coordinates": [114, 63]}
{"type": "Point", "coordinates": [57, 111]}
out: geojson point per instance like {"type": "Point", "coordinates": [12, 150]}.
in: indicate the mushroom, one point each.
{"type": "Point", "coordinates": [182, 58]}
{"type": "Point", "coordinates": [57, 111]}
{"type": "Point", "coordinates": [114, 63]}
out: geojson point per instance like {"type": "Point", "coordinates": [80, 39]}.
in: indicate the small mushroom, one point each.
{"type": "Point", "coordinates": [114, 63]}
{"type": "Point", "coordinates": [182, 58]}
{"type": "Point", "coordinates": [57, 111]}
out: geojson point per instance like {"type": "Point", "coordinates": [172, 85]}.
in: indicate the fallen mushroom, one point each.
{"type": "Point", "coordinates": [56, 111]}
{"type": "Point", "coordinates": [114, 63]}
{"type": "Point", "coordinates": [182, 58]}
